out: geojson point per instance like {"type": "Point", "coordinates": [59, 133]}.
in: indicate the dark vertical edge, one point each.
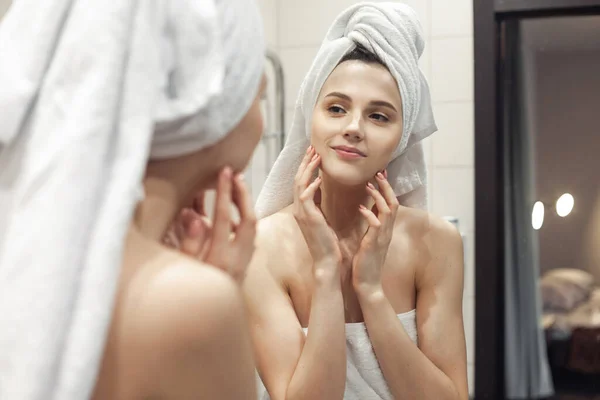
{"type": "Point", "coordinates": [537, 6]}
{"type": "Point", "coordinates": [489, 207]}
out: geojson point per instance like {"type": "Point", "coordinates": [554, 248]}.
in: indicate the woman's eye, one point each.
{"type": "Point", "coordinates": [380, 117]}
{"type": "Point", "coordinates": [336, 109]}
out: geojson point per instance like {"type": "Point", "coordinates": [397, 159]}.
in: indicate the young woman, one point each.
{"type": "Point", "coordinates": [352, 293]}
{"type": "Point", "coordinates": [160, 94]}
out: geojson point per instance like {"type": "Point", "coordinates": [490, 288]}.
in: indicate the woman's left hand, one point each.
{"type": "Point", "coordinates": [368, 262]}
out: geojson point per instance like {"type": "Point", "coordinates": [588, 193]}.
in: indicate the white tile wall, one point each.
{"type": "Point", "coordinates": [453, 195]}
{"type": "Point", "coordinates": [269, 10]}
{"type": "Point", "coordinates": [306, 22]}
{"type": "Point", "coordinates": [452, 69]}
{"type": "Point", "coordinates": [296, 62]}
{"type": "Point", "coordinates": [451, 18]}
{"type": "Point", "coordinates": [453, 143]}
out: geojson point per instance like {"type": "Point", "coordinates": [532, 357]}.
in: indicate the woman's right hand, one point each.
{"type": "Point", "coordinates": [322, 241]}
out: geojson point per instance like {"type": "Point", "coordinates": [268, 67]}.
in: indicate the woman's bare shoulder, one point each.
{"type": "Point", "coordinates": [433, 239]}
{"type": "Point", "coordinates": [168, 312]}
{"type": "Point", "coordinates": [278, 239]}
{"type": "Point", "coordinates": [273, 229]}
{"type": "Point", "coordinates": [184, 302]}
{"type": "Point", "coordinates": [423, 225]}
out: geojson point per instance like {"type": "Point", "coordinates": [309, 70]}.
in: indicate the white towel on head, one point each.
{"type": "Point", "coordinates": [393, 33]}
{"type": "Point", "coordinates": [91, 87]}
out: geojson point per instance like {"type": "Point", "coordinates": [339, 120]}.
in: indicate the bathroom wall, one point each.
{"type": "Point", "coordinates": [298, 28]}
{"type": "Point", "coordinates": [567, 146]}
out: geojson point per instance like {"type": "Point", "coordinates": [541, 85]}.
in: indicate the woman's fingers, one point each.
{"type": "Point", "coordinates": [242, 199]}
{"type": "Point", "coordinates": [245, 231]}
{"type": "Point", "coordinates": [309, 192]}
{"type": "Point", "coordinates": [244, 240]}
{"type": "Point", "coordinates": [193, 234]}
{"type": "Point", "coordinates": [218, 253]}
{"type": "Point", "coordinates": [222, 212]}
{"type": "Point", "coordinates": [310, 170]}
{"type": "Point", "coordinates": [306, 171]}
{"type": "Point", "coordinates": [383, 210]}
{"type": "Point", "coordinates": [387, 191]}
{"type": "Point", "coordinates": [307, 157]}
{"type": "Point", "coordinates": [374, 225]}
{"type": "Point", "coordinates": [307, 206]}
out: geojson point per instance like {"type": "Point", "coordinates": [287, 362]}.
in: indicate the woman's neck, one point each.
{"type": "Point", "coordinates": [339, 204]}
{"type": "Point", "coordinates": [170, 186]}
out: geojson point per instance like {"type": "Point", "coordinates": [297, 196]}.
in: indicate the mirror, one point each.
{"type": "Point", "coordinates": [294, 33]}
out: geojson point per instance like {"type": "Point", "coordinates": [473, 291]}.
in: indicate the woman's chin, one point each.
{"type": "Point", "coordinates": [346, 178]}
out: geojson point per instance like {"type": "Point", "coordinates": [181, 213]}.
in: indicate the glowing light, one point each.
{"type": "Point", "coordinates": [564, 205]}
{"type": "Point", "coordinates": [537, 215]}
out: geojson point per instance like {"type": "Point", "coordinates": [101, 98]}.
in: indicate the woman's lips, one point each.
{"type": "Point", "coordinates": [347, 155]}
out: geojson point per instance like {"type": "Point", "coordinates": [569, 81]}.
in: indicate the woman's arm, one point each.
{"type": "Point", "coordinates": [436, 369]}
{"type": "Point", "coordinates": [291, 365]}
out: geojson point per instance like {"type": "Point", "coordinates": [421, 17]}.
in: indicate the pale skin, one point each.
{"type": "Point", "coordinates": [355, 256]}
{"type": "Point", "coordinates": [179, 329]}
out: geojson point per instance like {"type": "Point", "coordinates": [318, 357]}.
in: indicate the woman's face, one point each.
{"type": "Point", "coordinates": [357, 122]}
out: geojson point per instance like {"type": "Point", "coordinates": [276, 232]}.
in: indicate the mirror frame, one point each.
{"type": "Point", "coordinates": [489, 52]}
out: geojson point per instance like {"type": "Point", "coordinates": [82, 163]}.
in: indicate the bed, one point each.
{"type": "Point", "coordinates": [571, 320]}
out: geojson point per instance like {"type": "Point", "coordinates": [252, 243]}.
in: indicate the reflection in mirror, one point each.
{"type": "Point", "coordinates": [295, 32]}
{"type": "Point", "coordinates": [552, 206]}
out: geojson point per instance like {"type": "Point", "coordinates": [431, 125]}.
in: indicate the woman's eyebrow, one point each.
{"type": "Point", "coordinates": [340, 95]}
{"type": "Point", "coordinates": [381, 103]}
{"type": "Point", "coordinates": [378, 103]}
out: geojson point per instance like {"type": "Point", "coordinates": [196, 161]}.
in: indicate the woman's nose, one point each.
{"type": "Point", "coordinates": [354, 129]}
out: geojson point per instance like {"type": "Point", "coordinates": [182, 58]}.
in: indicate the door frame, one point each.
{"type": "Point", "coordinates": [488, 16]}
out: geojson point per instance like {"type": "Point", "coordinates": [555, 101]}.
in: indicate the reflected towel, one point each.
{"type": "Point", "coordinates": [364, 378]}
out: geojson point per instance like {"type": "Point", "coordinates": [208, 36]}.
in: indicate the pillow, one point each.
{"type": "Point", "coordinates": [564, 289]}
{"type": "Point", "coordinates": [583, 279]}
